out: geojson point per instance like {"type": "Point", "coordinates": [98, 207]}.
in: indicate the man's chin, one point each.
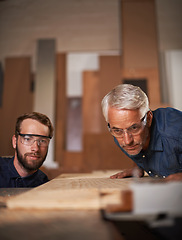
{"type": "Point", "coordinates": [133, 152]}
{"type": "Point", "coordinates": [32, 165]}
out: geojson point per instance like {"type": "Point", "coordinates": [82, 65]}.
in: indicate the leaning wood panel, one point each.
{"type": "Point", "coordinates": [100, 152]}
{"type": "Point", "coordinates": [91, 106]}
{"type": "Point", "coordinates": [110, 76]}
{"type": "Point", "coordinates": [139, 44]}
{"type": "Point", "coordinates": [60, 121]}
{"type": "Point", "coordinates": [153, 83]}
{"type": "Point", "coordinates": [139, 34]}
{"type": "Point", "coordinates": [111, 155]}
{"type": "Point", "coordinates": [17, 98]}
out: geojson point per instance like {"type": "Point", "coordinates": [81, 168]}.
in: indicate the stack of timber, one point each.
{"type": "Point", "coordinates": [75, 192]}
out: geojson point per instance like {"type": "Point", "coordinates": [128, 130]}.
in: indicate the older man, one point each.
{"type": "Point", "coordinates": [152, 139]}
{"type": "Point", "coordinates": [33, 132]}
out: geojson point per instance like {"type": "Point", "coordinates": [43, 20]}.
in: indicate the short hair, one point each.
{"type": "Point", "coordinates": [41, 118]}
{"type": "Point", "coordinates": [125, 96]}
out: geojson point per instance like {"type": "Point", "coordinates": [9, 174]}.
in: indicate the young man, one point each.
{"type": "Point", "coordinates": [152, 139]}
{"type": "Point", "coordinates": [33, 132]}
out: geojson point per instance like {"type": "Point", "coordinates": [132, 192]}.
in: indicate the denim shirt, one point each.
{"type": "Point", "coordinates": [9, 177]}
{"type": "Point", "coordinates": [164, 154]}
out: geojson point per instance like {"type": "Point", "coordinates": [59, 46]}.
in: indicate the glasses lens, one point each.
{"type": "Point", "coordinates": [117, 132]}
{"type": "Point", "coordinates": [133, 130]}
{"type": "Point", "coordinates": [29, 140]}
{"type": "Point", "coordinates": [43, 142]}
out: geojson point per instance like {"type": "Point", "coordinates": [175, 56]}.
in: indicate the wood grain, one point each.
{"type": "Point", "coordinates": [73, 191]}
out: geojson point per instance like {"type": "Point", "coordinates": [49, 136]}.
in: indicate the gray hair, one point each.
{"type": "Point", "coordinates": [125, 96]}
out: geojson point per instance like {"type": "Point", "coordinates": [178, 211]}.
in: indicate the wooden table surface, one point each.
{"type": "Point", "coordinates": [46, 224]}
{"type": "Point", "coordinates": [68, 207]}
{"type": "Point", "coordinates": [50, 224]}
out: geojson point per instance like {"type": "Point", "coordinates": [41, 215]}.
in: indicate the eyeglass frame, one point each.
{"type": "Point", "coordinates": [34, 135]}
{"type": "Point", "coordinates": [143, 119]}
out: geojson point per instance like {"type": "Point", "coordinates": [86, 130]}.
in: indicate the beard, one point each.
{"type": "Point", "coordinates": [32, 165]}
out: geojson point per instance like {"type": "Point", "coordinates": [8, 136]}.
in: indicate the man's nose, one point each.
{"type": "Point", "coordinates": [35, 144]}
{"type": "Point", "coordinates": [128, 138]}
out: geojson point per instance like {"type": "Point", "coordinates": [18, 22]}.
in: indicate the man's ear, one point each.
{"type": "Point", "coordinates": [14, 141]}
{"type": "Point", "coordinates": [149, 118]}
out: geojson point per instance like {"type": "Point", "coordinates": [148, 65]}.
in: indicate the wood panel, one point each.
{"type": "Point", "coordinates": [139, 34]}
{"type": "Point", "coordinates": [110, 76]}
{"type": "Point", "coordinates": [99, 149]}
{"type": "Point", "coordinates": [100, 152]}
{"type": "Point", "coordinates": [73, 162]}
{"type": "Point", "coordinates": [140, 46]}
{"type": "Point", "coordinates": [60, 122]}
{"type": "Point", "coordinates": [153, 83]}
{"type": "Point", "coordinates": [17, 98]}
{"type": "Point", "coordinates": [91, 106]}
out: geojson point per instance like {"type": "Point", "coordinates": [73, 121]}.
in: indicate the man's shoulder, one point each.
{"type": "Point", "coordinates": [168, 116]}
{"type": "Point", "coordinates": [168, 111]}
{"type": "Point", "coordinates": [168, 121]}
{"type": "Point", "coordinates": [5, 160]}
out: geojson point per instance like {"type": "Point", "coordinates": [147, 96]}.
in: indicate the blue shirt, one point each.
{"type": "Point", "coordinates": [164, 154]}
{"type": "Point", "coordinates": [9, 177]}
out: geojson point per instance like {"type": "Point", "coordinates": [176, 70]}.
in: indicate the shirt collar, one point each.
{"type": "Point", "coordinates": [155, 140]}
{"type": "Point", "coordinates": [14, 173]}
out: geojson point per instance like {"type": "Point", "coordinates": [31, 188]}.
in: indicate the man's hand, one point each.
{"type": "Point", "coordinates": [131, 172]}
{"type": "Point", "coordinates": [174, 177]}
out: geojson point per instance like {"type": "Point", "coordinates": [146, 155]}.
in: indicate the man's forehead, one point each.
{"type": "Point", "coordinates": [124, 118]}
{"type": "Point", "coordinates": [29, 121]}
{"type": "Point", "coordinates": [33, 126]}
{"type": "Point", "coordinates": [124, 112]}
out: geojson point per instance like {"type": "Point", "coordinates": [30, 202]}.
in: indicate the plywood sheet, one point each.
{"type": "Point", "coordinates": [60, 118]}
{"type": "Point", "coordinates": [152, 76]}
{"type": "Point", "coordinates": [100, 152]}
{"type": "Point", "coordinates": [139, 34]}
{"type": "Point", "coordinates": [17, 98]}
{"type": "Point", "coordinates": [87, 191]}
{"type": "Point", "coordinates": [91, 109]}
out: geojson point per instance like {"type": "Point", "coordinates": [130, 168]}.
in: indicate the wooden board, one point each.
{"type": "Point", "coordinates": [73, 191]}
{"type": "Point", "coordinates": [17, 98]}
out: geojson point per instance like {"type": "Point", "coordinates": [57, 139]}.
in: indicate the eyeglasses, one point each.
{"type": "Point", "coordinates": [135, 129]}
{"type": "Point", "coordinates": [29, 139]}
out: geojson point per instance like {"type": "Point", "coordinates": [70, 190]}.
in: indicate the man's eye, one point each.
{"type": "Point", "coordinates": [27, 139]}
{"type": "Point", "coordinates": [135, 127]}
{"type": "Point", "coordinates": [42, 140]}
{"type": "Point", "coordinates": [117, 131]}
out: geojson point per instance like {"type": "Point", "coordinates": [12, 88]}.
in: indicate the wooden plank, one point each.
{"type": "Point", "coordinates": [139, 43]}
{"type": "Point", "coordinates": [73, 162]}
{"type": "Point", "coordinates": [152, 76]}
{"type": "Point", "coordinates": [91, 108]}
{"type": "Point", "coordinates": [101, 153]}
{"type": "Point", "coordinates": [139, 34]}
{"type": "Point", "coordinates": [109, 77]}
{"type": "Point", "coordinates": [61, 114]}
{"type": "Point", "coordinates": [17, 98]}
{"type": "Point", "coordinates": [73, 193]}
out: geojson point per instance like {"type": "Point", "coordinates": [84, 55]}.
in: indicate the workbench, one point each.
{"type": "Point", "coordinates": [46, 212]}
